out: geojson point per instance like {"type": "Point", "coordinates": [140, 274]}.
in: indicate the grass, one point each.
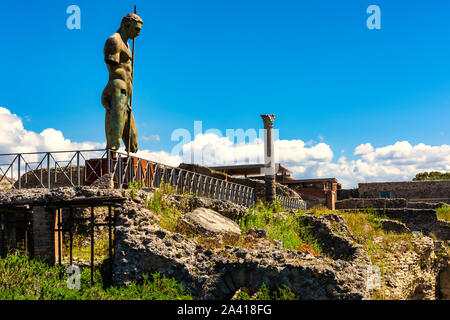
{"type": "Point", "coordinates": [169, 219]}
{"type": "Point", "coordinates": [264, 293]}
{"type": "Point", "coordinates": [365, 227]}
{"type": "Point", "coordinates": [320, 210]}
{"type": "Point", "coordinates": [81, 248]}
{"type": "Point", "coordinates": [168, 214]}
{"type": "Point", "coordinates": [443, 213]}
{"type": "Point", "coordinates": [289, 228]}
{"type": "Point", "coordinates": [380, 245]}
{"type": "Point", "coordinates": [22, 278]}
{"type": "Point", "coordinates": [296, 234]}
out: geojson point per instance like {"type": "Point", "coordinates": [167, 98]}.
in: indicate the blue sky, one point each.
{"type": "Point", "coordinates": [315, 64]}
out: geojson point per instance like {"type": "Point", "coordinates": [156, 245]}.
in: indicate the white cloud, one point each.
{"type": "Point", "coordinates": [363, 149]}
{"type": "Point", "coordinates": [400, 161]}
{"type": "Point", "coordinates": [14, 138]}
{"type": "Point", "coordinates": [210, 149]}
{"type": "Point", "coordinates": [160, 156]}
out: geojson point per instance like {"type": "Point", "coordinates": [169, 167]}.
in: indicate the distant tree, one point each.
{"type": "Point", "coordinates": [432, 175]}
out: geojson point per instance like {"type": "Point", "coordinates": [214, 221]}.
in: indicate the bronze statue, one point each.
{"type": "Point", "coordinates": [119, 120]}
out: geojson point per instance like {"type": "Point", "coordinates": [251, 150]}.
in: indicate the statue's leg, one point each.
{"type": "Point", "coordinates": [126, 137]}
{"type": "Point", "coordinates": [116, 114]}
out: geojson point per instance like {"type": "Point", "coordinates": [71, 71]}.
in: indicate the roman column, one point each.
{"type": "Point", "coordinates": [269, 157]}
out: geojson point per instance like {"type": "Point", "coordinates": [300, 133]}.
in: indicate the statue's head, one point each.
{"type": "Point", "coordinates": [132, 23]}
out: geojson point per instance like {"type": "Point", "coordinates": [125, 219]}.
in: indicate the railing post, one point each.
{"type": "Point", "coordinates": [210, 186]}
{"type": "Point", "coordinates": [128, 177]}
{"type": "Point", "coordinates": [119, 170]}
{"type": "Point", "coordinates": [155, 175]}
{"type": "Point", "coordinates": [172, 177]}
{"type": "Point", "coordinates": [216, 187]}
{"type": "Point", "coordinates": [227, 185]}
{"type": "Point", "coordinates": [108, 159]}
{"type": "Point", "coordinates": [78, 170]}
{"type": "Point", "coordinates": [48, 171]}
{"type": "Point", "coordinates": [223, 192]}
{"type": "Point", "coordinates": [18, 171]}
{"type": "Point", "coordinates": [180, 182]}
{"type": "Point", "coordinates": [191, 187]}
{"type": "Point", "coordinates": [200, 185]}
{"type": "Point", "coordinates": [239, 196]}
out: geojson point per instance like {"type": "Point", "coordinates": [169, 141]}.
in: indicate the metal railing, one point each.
{"type": "Point", "coordinates": [291, 203]}
{"type": "Point", "coordinates": [45, 169]}
{"type": "Point", "coordinates": [83, 167]}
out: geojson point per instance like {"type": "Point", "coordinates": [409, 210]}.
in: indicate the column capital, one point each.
{"type": "Point", "coordinates": [268, 120]}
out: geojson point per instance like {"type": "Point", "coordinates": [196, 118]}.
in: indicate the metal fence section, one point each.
{"type": "Point", "coordinates": [83, 167]}
{"type": "Point", "coordinates": [148, 174]}
{"type": "Point", "coordinates": [291, 203]}
{"type": "Point", "coordinates": [47, 169]}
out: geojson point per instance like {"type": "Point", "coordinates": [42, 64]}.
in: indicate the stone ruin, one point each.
{"type": "Point", "coordinates": [142, 246]}
{"type": "Point", "coordinates": [417, 216]}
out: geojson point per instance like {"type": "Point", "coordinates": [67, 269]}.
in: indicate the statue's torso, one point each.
{"type": "Point", "coordinates": [116, 49]}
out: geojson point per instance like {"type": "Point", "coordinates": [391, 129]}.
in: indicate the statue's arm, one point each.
{"type": "Point", "coordinates": [112, 51]}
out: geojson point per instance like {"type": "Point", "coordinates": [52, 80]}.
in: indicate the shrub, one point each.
{"type": "Point", "coordinates": [289, 228]}
{"type": "Point", "coordinates": [443, 213]}
{"type": "Point", "coordinates": [433, 175]}
{"type": "Point", "coordinates": [22, 278]}
{"type": "Point", "coordinates": [264, 293]}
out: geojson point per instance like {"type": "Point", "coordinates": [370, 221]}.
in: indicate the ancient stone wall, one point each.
{"type": "Point", "coordinates": [418, 216]}
{"type": "Point", "coordinates": [358, 203]}
{"type": "Point", "coordinates": [144, 247]}
{"type": "Point", "coordinates": [343, 194]}
{"type": "Point", "coordinates": [412, 190]}
{"type": "Point", "coordinates": [40, 207]}
{"type": "Point", "coordinates": [364, 203]}
{"type": "Point", "coordinates": [44, 242]}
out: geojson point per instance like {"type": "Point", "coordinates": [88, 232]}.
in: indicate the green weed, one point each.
{"type": "Point", "coordinates": [22, 278]}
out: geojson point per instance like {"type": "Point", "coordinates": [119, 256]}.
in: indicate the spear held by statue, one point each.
{"type": "Point", "coordinates": [131, 93]}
